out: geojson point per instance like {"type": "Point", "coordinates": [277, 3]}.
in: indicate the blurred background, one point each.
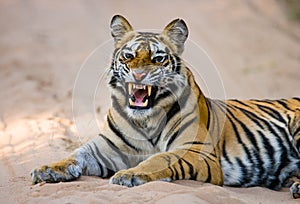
{"type": "Point", "coordinates": [254, 44]}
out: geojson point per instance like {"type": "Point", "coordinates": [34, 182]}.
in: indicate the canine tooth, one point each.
{"type": "Point", "coordinates": [145, 103]}
{"type": "Point", "coordinates": [149, 90]}
{"type": "Point", "coordinates": [130, 88]}
{"type": "Point", "coordinates": [144, 87]}
{"type": "Point", "coordinates": [131, 103]}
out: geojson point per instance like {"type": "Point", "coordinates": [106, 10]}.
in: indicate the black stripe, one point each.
{"type": "Point", "coordinates": [172, 173]}
{"type": "Point", "coordinates": [191, 169]}
{"type": "Point", "coordinates": [120, 111]}
{"type": "Point", "coordinates": [283, 157]}
{"type": "Point", "coordinates": [154, 142]}
{"type": "Point", "coordinates": [176, 174]}
{"type": "Point", "coordinates": [177, 68]}
{"type": "Point", "coordinates": [248, 133]}
{"type": "Point", "coordinates": [283, 104]}
{"type": "Point", "coordinates": [241, 103]}
{"type": "Point", "coordinates": [216, 131]}
{"type": "Point", "coordinates": [170, 114]}
{"type": "Point", "coordinates": [296, 132]}
{"type": "Point", "coordinates": [118, 133]}
{"type": "Point", "coordinates": [180, 103]}
{"type": "Point", "coordinates": [271, 111]}
{"type": "Point", "coordinates": [174, 63]}
{"type": "Point", "coordinates": [197, 143]}
{"type": "Point", "coordinates": [294, 152]}
{"type": "Point", "coordinates": [168, 159]}
{"type": "Point", "coordinates": [267, 101]}
{"type": "Point", "coordinates": [237, 135]}
{"type": "Point", "coordinates": [208, 179]}
{"type": "Point", "coordinates": [160, 52]}
{"type": "Point", "coordinates": [251, 116]}
{"type": "Point", "coordinates": [257, 161]}
{"type": "Point", "coordinates": [106, 162]}
{"type": "Point", "coordinates": [270, 152]}
{"type": "Point", "coordinates": [173, 111]}
{"type": "Point", "coordinates": [245, 173]}
{"type": "Point", "coordinates": [178, 122]}
{"type": "Point", "coordinates": [208, 114]}
{"type": "Point", "coordinates": [181, 169]}
{"type": "Point", "coordinates": [166, 63]}
{"type": "Point", "coordinates": [212, 153]}
{"type": "Point", "coordinates": [298, 144]}
{"type": "Point", "coordinates": [202, 154]}
{"type": "Point", "coordinates": [99, 164]}
{"type": "Point", "coordinates": [162, 96]}
{"type": "Point", "coordinates": [123, 157]}
{"type": "Point", "coordinates": [224, 153]}
{"type": "Point", "coordinates": [196, 175]}
{"type": "Point", "coordinates": [258, 164]}
{"type": "Point", "coordinates": [113, 82]}
{"type": "Point", "coordinates": [283, 161]}
{"type": "Point", "coordinates": [177, 133]}
{"type": "Point", "coordinates": [296, 98]}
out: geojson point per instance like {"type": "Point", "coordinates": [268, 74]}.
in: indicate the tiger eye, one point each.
{"type": "Point", "coordinates": [128, 56]}
{"type": "Point", "coordinates": [159, 59]}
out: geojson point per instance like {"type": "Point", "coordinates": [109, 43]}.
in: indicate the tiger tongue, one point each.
{"type": "Point", "coordinates": [139, 97]}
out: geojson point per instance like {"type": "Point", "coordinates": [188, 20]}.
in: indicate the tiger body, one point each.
{"type": "Point", "coordinates": [265, 148]}
{"type": "Point", "coordinates": [161, 126]}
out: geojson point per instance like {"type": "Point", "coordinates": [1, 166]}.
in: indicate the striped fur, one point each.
{"type": "Point", "coordinates": [161, 127]}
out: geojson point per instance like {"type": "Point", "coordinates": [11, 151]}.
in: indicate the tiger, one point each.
{"type": "Point", "coordinates": [161, 126]}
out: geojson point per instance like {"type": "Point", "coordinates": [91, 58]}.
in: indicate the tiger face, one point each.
{"type": "Point", "coordinates": [147, 74]}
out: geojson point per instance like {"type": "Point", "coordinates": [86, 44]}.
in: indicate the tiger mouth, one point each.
{"type": "Point", "coordinates": [140, 96]}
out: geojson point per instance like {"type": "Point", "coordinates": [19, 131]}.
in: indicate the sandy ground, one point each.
{"type": "Point", "coordinates": [43, 44]}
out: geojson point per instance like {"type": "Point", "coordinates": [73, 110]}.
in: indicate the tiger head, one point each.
{"type": "Point", "coordinates": [147, 73]}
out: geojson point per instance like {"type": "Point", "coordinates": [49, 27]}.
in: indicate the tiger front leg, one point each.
{"type": "Point", "coordinates": [171, 166]}
{"type": "Point", "coordinates": [81, 162]}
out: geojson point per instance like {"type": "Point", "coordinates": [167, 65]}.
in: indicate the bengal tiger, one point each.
{"type": "Point", "coordinates": [161, 127]}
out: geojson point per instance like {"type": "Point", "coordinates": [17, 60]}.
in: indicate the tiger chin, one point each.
{"type": "Point", "coordinates": [161, 127]}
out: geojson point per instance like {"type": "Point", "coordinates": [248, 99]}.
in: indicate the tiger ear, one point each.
{"type": "Point", "coordinates": [177, 32]}
{"type": "Point", "coordinates": [119, 27]}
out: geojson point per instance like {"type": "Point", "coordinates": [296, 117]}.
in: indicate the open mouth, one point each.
{"type": "Point", "coordinates": [140, 96]}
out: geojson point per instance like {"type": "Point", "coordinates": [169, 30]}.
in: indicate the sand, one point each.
{"type": "Point", "coordinates": [254, 45]}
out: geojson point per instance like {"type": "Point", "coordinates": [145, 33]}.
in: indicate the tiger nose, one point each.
{"type": "Point", "coordinates": [139, 74]}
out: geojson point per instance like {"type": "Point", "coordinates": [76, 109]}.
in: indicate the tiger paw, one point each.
{"type": "Point", "coordinates": [129, 178]}
{"type": "Point", "coordinates": [61, 171]}
{"type": "Point", "coordinates": [295, 190]}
